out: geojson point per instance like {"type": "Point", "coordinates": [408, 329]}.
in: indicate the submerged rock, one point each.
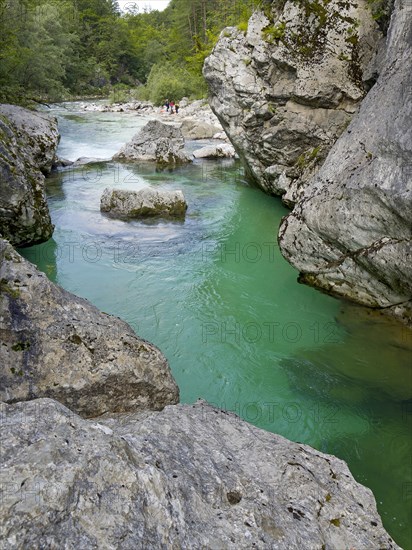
{"type": "Point", "coordinates": [156, 142]}
{"type": "Point", "coordinates": [351, 235]}
{"type": "Point", "coordinates": [145, 203]}
{"type": "Point", "coordinates": [223, 150]}
{"type": "Point", "coordinates": [28, 143]}
{"type": "Point", "coordinates": [283, 104]}
{"type": "Point", "coordinates": [190, 476]}
{"type": "Point", "coordinates": [57, 345]}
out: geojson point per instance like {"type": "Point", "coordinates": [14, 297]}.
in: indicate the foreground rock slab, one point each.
{"type": "Point", "coordinates": [145, 203]}
{"type": "Point", "coordinates": [57, 345]}
{"type": "Point", "coordinates": [190, 476]}
{"type": "Point", "coordinates": [351, 235]}
{"type": "Point", "coordinates": [156, 142]}
{"type": "Point", "coordinates": [28, 143]}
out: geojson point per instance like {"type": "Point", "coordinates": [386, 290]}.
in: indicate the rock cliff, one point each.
{"type": "Point", "coordinates": [28, 143]}
{"type": "Point", "coordinates": [190, 476]}
{"type": "Point", "coordinates": [351, 235]}
{"type": "Point", "coordinates": [57, 345]}
{"type": "Point", "coordinates": [351, 229]}
{"type": "Point", "coordinates": [285, 90]}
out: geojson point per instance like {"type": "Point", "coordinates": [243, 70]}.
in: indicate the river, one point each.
{"type": "Point", "coordinates": [215, 295]}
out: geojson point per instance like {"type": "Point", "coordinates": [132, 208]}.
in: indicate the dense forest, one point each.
{"type": "Point", "coordinates": [59, 49]}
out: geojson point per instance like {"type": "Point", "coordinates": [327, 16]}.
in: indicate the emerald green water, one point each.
{"type": "Point", "coordinates": [218, 299]}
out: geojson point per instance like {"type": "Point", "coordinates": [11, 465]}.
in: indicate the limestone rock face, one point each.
{"type": "Point", "coordinates": [351, 235]}
{"type": "Point", "coordinates": [224, 150]}
{"type": "Point", "coordinates": [145, 203]}
{"type": "Point", "coordinates": [190, 476]}
{"type": "Point", "coordinates": [28, 143]}
{"type": "Point", "coordinates": [282, 104]}
{"type": "Point", "coordinates": [57, 345]}
{"type": "Point", "coordinates": [158, 142]}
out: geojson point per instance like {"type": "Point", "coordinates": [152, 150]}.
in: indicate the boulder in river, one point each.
{"type": "Point", "coordinates": [190, 476]}
{"type": "Point", "coordinates": [57, 345]}
{"type": "Point", "coordinates": [144, 203]}
{"type": "Point", "coordinates": [198, 129]}
{"type": "Point", "coordinates": [28, 143]}
{"type": "Point", "coordinates": [223, 150]}
{"type": "Point", "coordinates": [156, 142]}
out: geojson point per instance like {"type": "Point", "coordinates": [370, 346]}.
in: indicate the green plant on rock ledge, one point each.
{"type": "Point", "coordinates": [308, 158]}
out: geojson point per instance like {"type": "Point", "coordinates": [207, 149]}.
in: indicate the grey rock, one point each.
{"type": "Point", "coordinates": [282, 111]}
{"type": "Point", "coordinates": [198, 129]}
{"type": "Point", "coordinates": [145, 203]}
{"type": "Point", "coordinates": [223, 150]}
{"type": "Point", "coordinates": [190, 476]}
{"type": "Point", "coordinates": [57, 345]}
{"type": "Point", "coordinates": [38, 133]}
{"type": "Point", "coordinates": [83, 161]}
{"type": "Point", "coordinates": [156, 142]}
{"type": "Point", "coordinates": [351, 235]}
{"type": "Point", "coordinates": [62, 163]}
{"type": "Point", "coordinates": [28, 142]}
{"type": "Point", "coordinates": [221, 136]}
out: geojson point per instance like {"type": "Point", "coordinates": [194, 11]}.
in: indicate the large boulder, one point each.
{"type": "Point", "coordinates": [156, 142]}
{"type": "Point", "coordinates": [285, 90]}
{"type": "Point", "coordinates": [57, 345]}
{"type": "Point", "coordinates": [351, 235]}
{"type": "Point", "coordinates": [28, 143]}
{"type": "Point", "coordinates": [190, 476]}
{"type": "Point", "coordinates": [145, 203]}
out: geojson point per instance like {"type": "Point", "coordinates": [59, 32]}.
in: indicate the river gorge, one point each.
{"type": "Point", "coordinates": [216, 296]}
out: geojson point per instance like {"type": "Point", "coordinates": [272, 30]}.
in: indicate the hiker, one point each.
{"type": "Point", "coordinates": [172, 107]}
{"type": "Point", "coordinates": [177, 108]}
{"type": "Point", "coordinates": [167, 104]}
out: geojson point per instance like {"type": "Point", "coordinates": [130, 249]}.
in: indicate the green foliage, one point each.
{"type": "Point", "coordinates": [163, 83]}
{"type": "Point", "coordinates": [274, 32]}
{"type": "Point", "coordinates": [122, 93]}
{"type": "Point", "coordinates": [51, 49]}
{"type": "Point", "coordinates": [381, 12]}
{"type": "Point", "coordinates": [308, 158]}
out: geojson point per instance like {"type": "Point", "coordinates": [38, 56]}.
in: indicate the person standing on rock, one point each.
{"type": "Point", "coordinates": [172, 107]}
{"type": "Point", "coordinates": [167, 104]}
{"type": "Point", "coordinates": [177, 108]}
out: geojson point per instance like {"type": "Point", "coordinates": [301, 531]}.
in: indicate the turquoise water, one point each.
{"type": "Point", "coordinates": [216, 296]}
